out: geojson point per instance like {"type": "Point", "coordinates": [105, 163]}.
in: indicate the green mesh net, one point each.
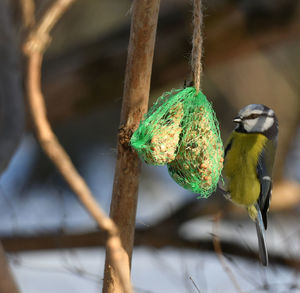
{"type": "Point", "coordinates": [181, 130]}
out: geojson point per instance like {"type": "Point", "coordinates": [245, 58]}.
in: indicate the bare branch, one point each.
{"type": "Point", "coordinates": [39, 38]}
{"type": "Point", "coordinates": [28, 8]}
{"type": "Point", "coordinates": [34, 48]}
{"type": "Point", "coordinates": [135, 103]}
{"type": "Point", "coordinates": [165, 233]}
{"type": "Point", "coordinates": [149, 238]}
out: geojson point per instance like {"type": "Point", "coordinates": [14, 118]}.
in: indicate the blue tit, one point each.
{"type": "Point", "coordinates": [248, 163]}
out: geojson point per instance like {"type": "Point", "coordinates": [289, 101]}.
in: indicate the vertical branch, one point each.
{"type": "Point", "coordinates": [197, 44]}
{"type": "Point", "coordinates": [7, 283]}
{"type": "Point", "coordinates": [28, 8]}
{"type": "Point", "coordinates": [135, 103]}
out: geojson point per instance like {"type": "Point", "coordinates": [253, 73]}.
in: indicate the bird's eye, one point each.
{"type": "Point", "coordinates": [252, 116]}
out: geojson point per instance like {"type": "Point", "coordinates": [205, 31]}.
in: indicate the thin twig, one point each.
{"type": "Point", "coordinates": [195, 285]}
{"type": "Point", "coordinates": [197, 44]}
{"type": "Point", "coordinates": [39, 38]}
{"type": "Point", "coordinates": [34, 48]}
{"type": "Point", "coordinates": [218, 250]}
{"type": "Point", "coordinates": [28, 8]}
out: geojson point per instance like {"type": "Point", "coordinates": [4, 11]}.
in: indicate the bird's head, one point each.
{"type": "Point", "coordinates": [257, 118]}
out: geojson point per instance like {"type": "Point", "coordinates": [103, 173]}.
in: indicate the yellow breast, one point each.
{"type": "Point", "coordinates": [240, 167]}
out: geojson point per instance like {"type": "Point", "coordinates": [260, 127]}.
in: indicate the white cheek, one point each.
{"type": "Point", "coordinates": [250, 125]}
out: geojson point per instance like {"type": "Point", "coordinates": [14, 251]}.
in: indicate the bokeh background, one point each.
{"type": "Point", "coordinates": [251, 55]}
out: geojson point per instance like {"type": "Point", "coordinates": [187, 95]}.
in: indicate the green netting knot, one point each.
{"type": "Point", "coordinates": [181, 130]}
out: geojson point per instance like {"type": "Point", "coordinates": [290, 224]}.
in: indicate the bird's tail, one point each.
{"type": "Point", "coordinates": [260, 229]}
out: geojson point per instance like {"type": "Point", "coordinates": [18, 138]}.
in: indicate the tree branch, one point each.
{"type": "Point", "coordinates": [147, 238]}
{"type": "Point", "coordinates": [164, 233]}
{"type": "Point", "coordinates": [135, 103]}
{"type": "Point", "coordinates": [39, 37]}
{"type": "Point", "coordinates": [28, 8]}
{"type": "Point", "coordinates": [34, 47]}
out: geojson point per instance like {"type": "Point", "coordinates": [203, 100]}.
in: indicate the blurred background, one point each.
{"type": "Point", "coordinates": [251, 55]}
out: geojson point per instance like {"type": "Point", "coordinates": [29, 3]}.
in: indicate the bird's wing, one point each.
{"type": "Point", "coordinates": [264, 174]}
{"type": "Point", "coordinates": [228, 146]}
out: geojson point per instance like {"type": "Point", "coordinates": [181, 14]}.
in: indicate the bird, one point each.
{"type": "Point", "coordinates": [248, 162]}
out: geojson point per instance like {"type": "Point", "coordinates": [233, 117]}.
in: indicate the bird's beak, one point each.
{"type": "Point", "coordinates": [237, 120]}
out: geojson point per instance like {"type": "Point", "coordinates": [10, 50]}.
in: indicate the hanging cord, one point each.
{"type": "Point", "coordinates": [197, 44]}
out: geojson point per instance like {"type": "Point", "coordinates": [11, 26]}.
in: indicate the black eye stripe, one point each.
{"type": "Point", "coordinates": [254, 116]}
